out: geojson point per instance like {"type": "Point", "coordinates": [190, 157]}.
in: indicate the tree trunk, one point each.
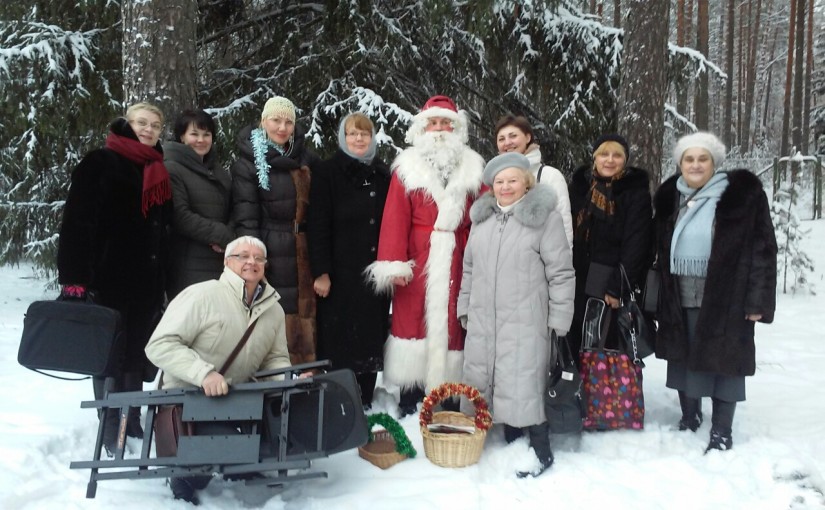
{"type": "Point", "coordinates": [701, 98]}
{"type": "Point", "coordinates": [644, 82]}
{"type": "Point", "coordinates": [798, 80]}
{"type": "Point", "coordinates": [682, 91]}
{"type": "Point", "coordinates": [160, 54]}
{"type": "Point", "coordinates": [809, 69]}
{"type": "Point", "coordinates": [617, 13]}
{"type": "Point", "coordinates": [784, 149]}
{"type": "Point", "coordinates": [727, 122]}
{"type": "Point", "coordinates": [769, 80]}
{"type": "Point", "coordinates": [750, 74]}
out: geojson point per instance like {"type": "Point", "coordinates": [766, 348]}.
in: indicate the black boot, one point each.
{"type": "Point", "coordinates": [182, 489]}
{"type": "Point", "coordinates": [721, 426]}
{"type": "Point", "coordinates": [109, 417]}
{"type": "Point", "coordinates": [133, 381]}
{"type": "Point", "coordinates": [691, 412]}
{"type": "Point", "coordinates": [366, 383]}
{"type": "Point", "coordinates": [408, 403]}
{"type": "Point", "coordinates": [540, 442]}
{"type": "Point", "coordinates": [512, 433]}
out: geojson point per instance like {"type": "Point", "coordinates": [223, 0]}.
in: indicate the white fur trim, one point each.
{"type": "Point", "coordinates": [439, 263]}
{"type": "Point", "coordinates": [455, 368]}
{"type": "Point", "coordinates": [405, 361]}
{"type": "Point", "coordinates": [381, 273]}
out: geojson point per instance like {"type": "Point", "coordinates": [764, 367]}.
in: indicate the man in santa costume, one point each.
{"type": "Point", "coordinates": [421, 247]}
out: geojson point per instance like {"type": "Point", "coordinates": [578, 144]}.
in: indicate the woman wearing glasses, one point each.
{"type": "Point", "coordinates": [201, 191]}
{"type": "Point", "coordinates": [114, 241]}
{"type": "Point", "coordinates": [347, 195]}
{"type": "Point", "coordinates": [270, 196]}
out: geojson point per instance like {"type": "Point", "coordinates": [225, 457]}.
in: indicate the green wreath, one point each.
{"type": "Point", "coordinates": [402, 442]}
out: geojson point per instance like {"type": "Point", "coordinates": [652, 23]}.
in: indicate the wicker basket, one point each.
{"type": "Point", "coordinates": [453, 450]}
{"type": "Point", "coordinates": [381, 450]}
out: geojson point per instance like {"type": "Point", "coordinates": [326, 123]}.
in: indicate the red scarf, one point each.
{"type": "Point", "coordinates": [156, 186]}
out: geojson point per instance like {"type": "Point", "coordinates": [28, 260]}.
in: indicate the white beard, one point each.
{"type": "Point", "coordinates": [443, 150]}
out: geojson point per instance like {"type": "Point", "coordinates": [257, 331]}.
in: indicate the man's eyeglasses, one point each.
{"type": "Point", "coordinates": [245, 257]}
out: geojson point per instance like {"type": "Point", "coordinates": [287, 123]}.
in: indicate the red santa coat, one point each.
{"type": "Point", "coordinates": [423, 234]}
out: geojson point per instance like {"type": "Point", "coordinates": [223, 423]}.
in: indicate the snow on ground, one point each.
{"type": "Point", "coordinates": [777, 462]}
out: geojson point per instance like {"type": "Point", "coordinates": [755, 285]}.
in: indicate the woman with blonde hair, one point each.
{"type": "Point", "coordinates": [114, 243]}
{"type": "Point", "coordinates": [612, 226]}
{"type": "Point", "coordinates": [270, 197]}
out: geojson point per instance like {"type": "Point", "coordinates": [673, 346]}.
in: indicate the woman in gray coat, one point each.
{"type": "Point", "coordinates": [516, 293]}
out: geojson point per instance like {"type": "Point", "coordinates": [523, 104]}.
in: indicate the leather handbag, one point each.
{"type": "Point", "coordinates": [169, 425]}
{"type": "Point", "coordinates": [637, 334]}
{"type": "Point", "coordinates": [562, 402]}
{"type": "Point", "coordinates": [69, 335]}
{"type": "Point", "coordinates": [598, 279]}
{"type": "Point", "coordinates": [650, 294]}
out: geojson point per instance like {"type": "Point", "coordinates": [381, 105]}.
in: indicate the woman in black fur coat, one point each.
{"type": "Point", "coordinates": [716, 252]}
{"type": "Point", "coordinates": [612, 225]}
{"type": "Point", "coordinates": [114, 242]}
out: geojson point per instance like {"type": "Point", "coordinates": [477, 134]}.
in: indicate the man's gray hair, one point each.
{"type": "Point", "coordinates": [250, 240]}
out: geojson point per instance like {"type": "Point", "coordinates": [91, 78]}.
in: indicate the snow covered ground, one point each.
{"type": "Point", "coordinates": [777, 462]}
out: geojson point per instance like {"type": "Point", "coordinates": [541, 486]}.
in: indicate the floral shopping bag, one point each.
{"type": "Point", "coordinates": [612, 394]}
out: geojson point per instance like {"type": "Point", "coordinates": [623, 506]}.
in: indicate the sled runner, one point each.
{"type": "Point", "coordinates": [281, 426]}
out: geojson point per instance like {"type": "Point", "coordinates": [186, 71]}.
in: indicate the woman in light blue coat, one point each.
{"type": "Point", "coordinates": [516, 293]}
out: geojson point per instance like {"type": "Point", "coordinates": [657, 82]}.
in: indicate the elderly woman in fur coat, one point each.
{"type": "Point", "coordinates": [516, 293]}
{"type": "Point", "coordinates": [716, 252]}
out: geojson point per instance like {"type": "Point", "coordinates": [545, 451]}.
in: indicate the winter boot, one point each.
{"type": "Point", "coordinates": [408, 403]}
{"type": "Point", "coordinates": [691, 412]}
{"type": "Point", "coordinates": [109, 417]}
{"type": "Point", "coordinates": [512, 433]}
{"type": "Point", "coordinates": [540, 442]}
{"type": "Point", "coordinates": [366, 383]}
{"type": "Point", "coordinates": [133, 381]}
{"type": "Point", "coordinates": [721, 426]}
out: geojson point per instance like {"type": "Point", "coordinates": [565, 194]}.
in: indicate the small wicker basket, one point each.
{"type": "Point", "coordinates": [381, 450]}
{"type": "Point", "coordinates": [459, 449]}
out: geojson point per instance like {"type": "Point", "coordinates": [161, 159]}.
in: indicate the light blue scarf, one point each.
{"type": "Point", "coordinates": [690, 247]}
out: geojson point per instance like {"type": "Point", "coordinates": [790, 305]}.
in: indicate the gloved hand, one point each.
{"type": "Point", "coordinates": [73, 292]}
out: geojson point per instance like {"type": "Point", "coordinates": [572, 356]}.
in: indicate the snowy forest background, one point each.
{"type": "Point", "coordinates": [752, 71]}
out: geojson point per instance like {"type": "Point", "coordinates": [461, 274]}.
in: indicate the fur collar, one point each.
{"type": "Point", "coordinates": [744, 188]}
{"type": "Point", "coordinates": [531, 211]}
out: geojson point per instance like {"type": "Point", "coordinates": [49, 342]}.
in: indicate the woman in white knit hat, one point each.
{"type": "Point", "coordinates": [270, 196]}
{"type": "Point", "coordinates": [716, 252]}
{"type": "Point", "coordinates": [516, 294]}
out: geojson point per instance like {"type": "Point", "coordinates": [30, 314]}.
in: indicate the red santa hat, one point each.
{"type": "Point", "coordinates": [439, 106]}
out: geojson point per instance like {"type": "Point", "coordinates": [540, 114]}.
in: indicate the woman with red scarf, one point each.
{"type": "Point", "coordinates": [114, 242]}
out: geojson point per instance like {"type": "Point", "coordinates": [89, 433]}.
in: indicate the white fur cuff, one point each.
{"type": "Point", "coordinates": [381, 273]}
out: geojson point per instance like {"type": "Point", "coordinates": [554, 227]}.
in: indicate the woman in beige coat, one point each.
{"type": "Point", "coordinates": [516, 293]}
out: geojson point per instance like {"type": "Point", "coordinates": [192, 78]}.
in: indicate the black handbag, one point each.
{"type": "Point", "coordinates": [637, 334]}
{"type": "Point", "coordinates": [562, 402]}
{"type": "Point", "coordinates": [598, 279]}
{"type": "Point", "coordinates": [650, 294]}
{"type": "Point", "coordinates": [73, 336]}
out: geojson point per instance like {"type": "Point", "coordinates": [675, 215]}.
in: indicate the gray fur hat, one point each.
{"type": "Point", "coordinates": [707, 141]}
{"type": "Point", "coordinates": [503, 162]}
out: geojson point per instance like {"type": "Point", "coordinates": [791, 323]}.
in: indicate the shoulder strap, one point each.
{"type": "Point", "coordinates": [237, 349]}
{"type": "Point", "coordinates": [541, 169]}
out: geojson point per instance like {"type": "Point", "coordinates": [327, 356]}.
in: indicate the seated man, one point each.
{"type": "Point", "coordinates": [204, 324]}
